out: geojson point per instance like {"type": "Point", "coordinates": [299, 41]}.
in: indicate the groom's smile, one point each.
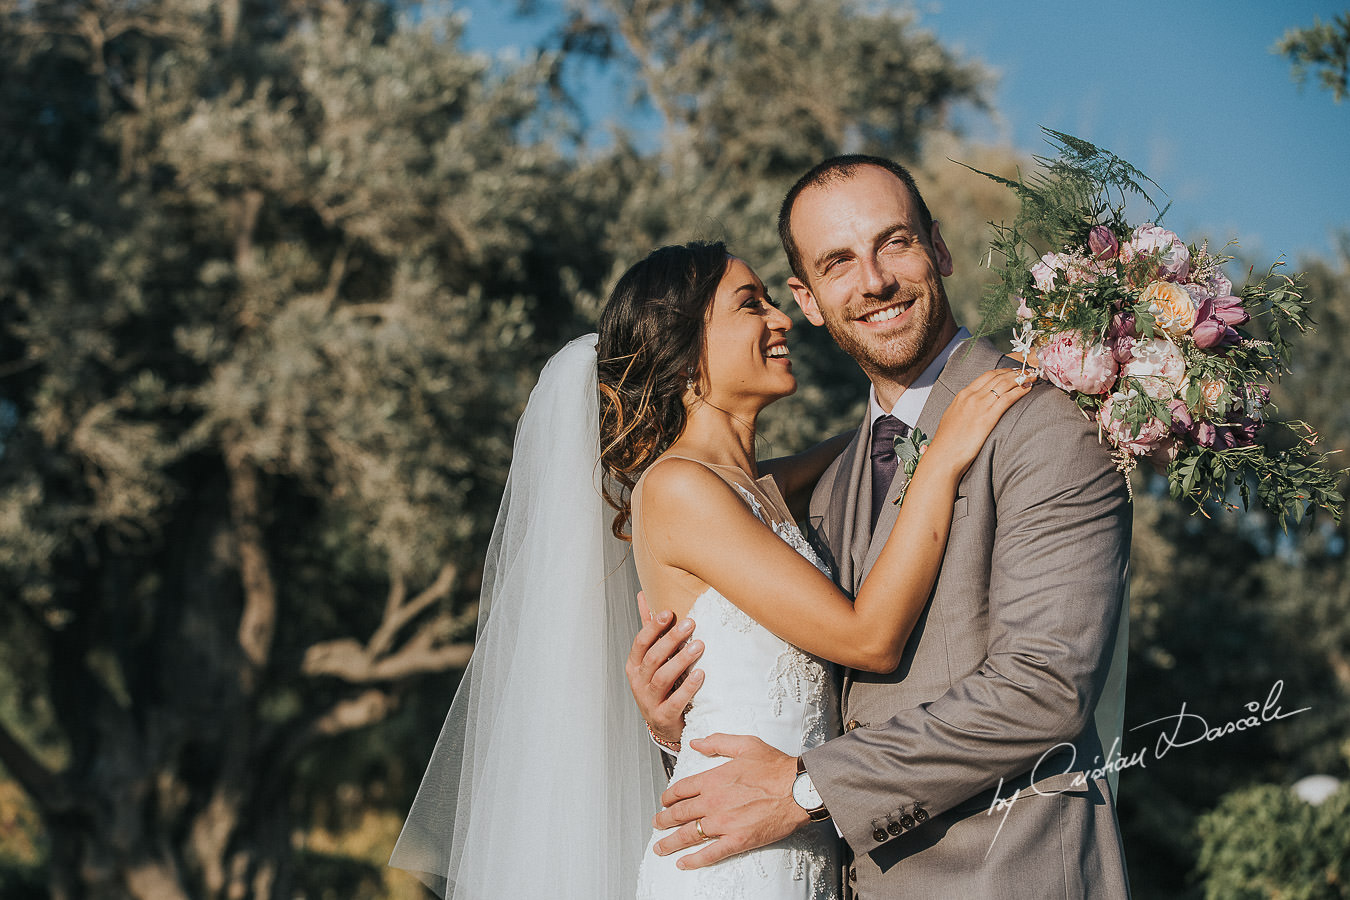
{"type": "Point", "coordinates": [887, 313]}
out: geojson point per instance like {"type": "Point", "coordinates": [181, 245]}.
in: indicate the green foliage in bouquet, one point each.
{"type": "Point", "coordinates": [1142, 331]}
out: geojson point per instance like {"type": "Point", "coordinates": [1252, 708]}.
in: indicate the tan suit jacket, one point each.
{"type": "Point", "coordinates": [1001, 677]}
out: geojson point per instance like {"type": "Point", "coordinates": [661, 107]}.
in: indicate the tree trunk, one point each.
{"type": "Point", "coordinates": [159, 702]}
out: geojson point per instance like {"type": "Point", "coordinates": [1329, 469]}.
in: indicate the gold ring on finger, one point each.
{"type": "Point", "coordinates": [995, 393]}
{"type": "Point", "coordinates": [698, 826]}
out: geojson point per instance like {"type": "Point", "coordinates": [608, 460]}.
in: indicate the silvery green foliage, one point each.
{"type": "Point", "coordinates": [274, 282]}
{"type": "Point", "coordinates": [1324, 48]}
{"type": "Point", "coordinates": [271, 290]}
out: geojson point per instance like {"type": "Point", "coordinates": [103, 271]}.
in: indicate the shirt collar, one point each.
{"type": "Point", "coordinates": [911, 402]}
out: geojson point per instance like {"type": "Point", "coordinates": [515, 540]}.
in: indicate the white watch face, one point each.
{"type": "Point", "coordinates": [804, 792]}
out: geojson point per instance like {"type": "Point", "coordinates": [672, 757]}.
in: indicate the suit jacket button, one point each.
{"type": "Point", "coordinates": [851, 724]}
{"type": "Point", "coordinates": [879, 835]}
{"type": "Point", "coordinates": [907, 821]}
{"type": "Point", "coordinates": [920, 814]}
{"type": "Point", "coordinates": [894, 828]}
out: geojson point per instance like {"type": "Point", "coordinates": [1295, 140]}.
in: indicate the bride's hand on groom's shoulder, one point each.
{"type": "Point", "coordinates": [660, 672]}
{"type": "Point", "coordinates": [742, 804]}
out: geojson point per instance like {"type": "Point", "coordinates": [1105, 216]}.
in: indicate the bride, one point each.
{"type": "Point", "coordinates": [543, 782]}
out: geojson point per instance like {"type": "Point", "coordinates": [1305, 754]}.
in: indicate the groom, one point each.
{"type": "Point", "coordinates": [966, 770]}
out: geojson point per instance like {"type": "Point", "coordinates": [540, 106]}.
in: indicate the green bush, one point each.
{"type": "Point", "coordinates": [1266, 842]}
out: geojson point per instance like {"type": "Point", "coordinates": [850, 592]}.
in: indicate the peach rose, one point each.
{"type": "Point", "coordinates": [1171, 305]}
{"type": "Point", "coordinates": [1211, 391]}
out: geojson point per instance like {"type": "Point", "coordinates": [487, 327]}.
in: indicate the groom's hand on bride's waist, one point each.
{"type": "Point", "coordinates": [660, 672]}
{"type": "Point", "coordinates": [741, 804]}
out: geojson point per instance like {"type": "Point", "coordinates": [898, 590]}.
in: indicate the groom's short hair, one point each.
{"type": "Point", "coordinates": [834, 170]}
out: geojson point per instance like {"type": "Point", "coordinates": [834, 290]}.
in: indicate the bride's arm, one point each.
{"type": "Point", "coordinates": [797, 474]}
{"type": "Point", "coordinates": [695, 522]}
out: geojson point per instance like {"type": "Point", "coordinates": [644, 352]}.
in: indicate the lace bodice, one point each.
{"type": "Point", "coordinates": [755, 683]}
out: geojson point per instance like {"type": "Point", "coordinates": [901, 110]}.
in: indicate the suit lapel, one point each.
{"type": "Point", "coordinates": [967, 362]}
{"type": "Point", "coordinates": [846, 528]}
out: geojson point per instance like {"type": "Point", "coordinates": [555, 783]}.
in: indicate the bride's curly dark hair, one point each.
{"type": "Point", "coordinates": [651, 344]}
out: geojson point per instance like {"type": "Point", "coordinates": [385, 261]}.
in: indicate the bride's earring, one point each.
{"type": "Point", "coordinates": [689, 383]}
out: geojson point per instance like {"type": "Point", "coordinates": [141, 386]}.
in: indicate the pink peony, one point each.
{"type": "Point", "coordinates": [1216, 284]}
{"type": "Point", "coordinates": [1071, 365]}
{"type": "Point", "coordinates": [1174, 259]}
{"type": "Point", "coordinates": [1139, 440]}
{"type": "Point", "coordinates": [1044, 272]}
{"type": "Point", "coordinates": [1158, 368]}
{"type": "Point", "coordinates": [1199, 292]}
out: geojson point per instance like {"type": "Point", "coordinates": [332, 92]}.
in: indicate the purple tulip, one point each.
{"type": "Point", "coordinates": [1206, 434]}
{"type": "Point", "coordinates": [1229, 310]}
{"type": "Point", "coordinates": [1243, 431]}
{"type": "Point", "coordinates": [1120, 336]}
{"type": "Point", "coordinates": [1182, 423]}
{"type": "Point", "coordinates": [1214, 322]}
{"type": "Point", "coordinates": [1253, 401]}
{"type": "Point", "coordinates": [1102, 242]}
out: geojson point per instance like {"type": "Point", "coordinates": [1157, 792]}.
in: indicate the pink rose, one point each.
{"type": "Point", "coordinates": [1139, 440]}
{"type": "Point", "coordinates": [1073, 366]}
{"type": "Point", "coordinates": [1174, 259]}
{"type": "Point", "coordinates": [1157, 367]}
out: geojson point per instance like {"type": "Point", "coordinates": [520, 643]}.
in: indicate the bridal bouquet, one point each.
{"type": "Point", "coordinates": [1148, 335]}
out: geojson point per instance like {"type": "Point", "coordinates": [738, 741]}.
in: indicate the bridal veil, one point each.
{"type": "Point", "coordinates": [543, 782]}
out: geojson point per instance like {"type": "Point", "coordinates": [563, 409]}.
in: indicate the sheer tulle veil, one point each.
{"type": "Point", "coordinates": [543, 781]}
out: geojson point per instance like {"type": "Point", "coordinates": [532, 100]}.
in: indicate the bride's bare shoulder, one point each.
{"type": "Point", "coordinates": [671, 478]}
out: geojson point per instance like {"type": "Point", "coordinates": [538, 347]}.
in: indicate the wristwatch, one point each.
{"type": "Point", "coordinates": [805, 795]}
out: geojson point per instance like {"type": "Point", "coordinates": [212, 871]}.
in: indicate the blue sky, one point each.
{"type": "Point", "coordinates": [1187, 91]}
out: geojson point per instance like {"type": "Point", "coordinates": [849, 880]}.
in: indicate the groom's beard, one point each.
{"type": "Point", "coordinates": [895, 355]}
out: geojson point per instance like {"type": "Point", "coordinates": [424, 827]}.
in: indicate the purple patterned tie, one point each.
{"type": "Point", "coordinates": [884, 462]}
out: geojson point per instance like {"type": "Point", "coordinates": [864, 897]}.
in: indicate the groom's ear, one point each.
{"type": "Point", "coordinates": [806, 300]}
{"type": "Point", "coordinates": [941, 255]}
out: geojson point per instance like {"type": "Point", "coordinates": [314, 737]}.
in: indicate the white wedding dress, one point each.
{"type": "Point", "coordinates": [758, 684]}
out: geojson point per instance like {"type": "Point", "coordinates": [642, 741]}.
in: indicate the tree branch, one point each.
{"type": "Point", "coordinates": [398, 613]}
{"type": "Point", "coordinates": [366, 708]}
{"type": "Point", "coordinates": [257, 625]}
{"type": "Point", "coordinates": [377, 659]}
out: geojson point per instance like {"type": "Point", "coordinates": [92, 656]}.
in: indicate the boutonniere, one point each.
{"type": "Point", "coordinates": [908, 449]}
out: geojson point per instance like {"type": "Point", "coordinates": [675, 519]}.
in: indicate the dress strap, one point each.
{"type": "Point", "coordinates": [763, 503]}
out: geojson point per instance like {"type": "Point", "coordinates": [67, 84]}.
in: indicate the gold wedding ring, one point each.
{"type": "Point", "coordinates": [995, 393]}
{"type": "Point", "coordinates": [698, 826]}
